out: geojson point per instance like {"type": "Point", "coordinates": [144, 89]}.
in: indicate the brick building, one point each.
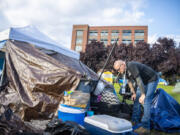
{"type": "Point", "coordinates": [83, 34]}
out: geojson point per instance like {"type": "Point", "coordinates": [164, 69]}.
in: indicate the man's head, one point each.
{"type": "Point", "coordinates": [120, 66]}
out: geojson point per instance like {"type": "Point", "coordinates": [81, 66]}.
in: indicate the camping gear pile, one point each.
{"type": "Point", "coordinates": [76, 99]}
{"type": "Point", "coordinates": [74, 106]}
{"type": "Point", "coordinates": [35, 76]}
{"type": "Point", "coordinates": [35, 73]}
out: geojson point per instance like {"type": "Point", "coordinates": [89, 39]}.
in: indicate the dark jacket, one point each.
{"type": "Point", "coordinates": [141, 74]}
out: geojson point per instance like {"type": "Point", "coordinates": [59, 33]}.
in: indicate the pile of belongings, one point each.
{"type": "Point", "coordinates": [35, 72]}
{"type": "Point", "coordinates": [76, 99]}
{"type": "Point", "coordinates": [57, 127]}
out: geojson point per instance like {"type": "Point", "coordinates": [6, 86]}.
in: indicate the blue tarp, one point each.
{"type": "Point", "coordinates": [31, 34]}
{"type": "Point", "coordinates": [165, 112]}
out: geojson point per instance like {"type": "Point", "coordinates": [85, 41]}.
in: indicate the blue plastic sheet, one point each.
{"type": "Point", "coordinates": [165, 112]}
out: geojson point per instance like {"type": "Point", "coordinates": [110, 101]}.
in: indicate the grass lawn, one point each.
{"type": "Point", "coordinates": [168, 89]}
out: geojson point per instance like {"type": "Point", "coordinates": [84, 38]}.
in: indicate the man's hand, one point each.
{"type": "Point", "coordinates": [141, 99]}
{"type": "Point", "coordinates": [133, 97]}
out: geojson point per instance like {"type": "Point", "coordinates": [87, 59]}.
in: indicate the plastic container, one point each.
{"type": "Point", "coordinates": [107, 125]}
{"type": "Point", "coordinates": [68, 113]}
{"type": "Point", "coordinates": [99, 88]}
{"type": "Point", "coordinates": [90, 113]}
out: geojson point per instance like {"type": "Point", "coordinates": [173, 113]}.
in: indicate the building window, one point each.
{"type": "Point", "coordinates": [126, 41]}
{"type": "Point", "coordinates": [79, 33]}
{"type": "Point", "coordinates": [139, 32]}
{"type": "Point", "coordinates": [92, 37]}
{"type": "Point", "coordinates": [104, 33]}
{"type": "Point", "coordinates": [114, 33]}
{"type": "Point", "coordinates": [138, 40]}
{"type": "Point", "coordinates": [90, 40]}
{"type": "Point", "coordinates": [105, 41]}
{"type": "Point", "coordinates": [113, 40]}
{"type": "Point", "coordinates": [78, 48]}
{"type": "Point", "coordinates": [79, 41]}
{"type": "Point", "coordinates": [126, 32]}
{"type": "Point", "coordinates": [93, 33]}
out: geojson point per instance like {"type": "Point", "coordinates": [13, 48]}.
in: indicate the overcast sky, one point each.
{"type": "Point", "coordinates": [56, 17]}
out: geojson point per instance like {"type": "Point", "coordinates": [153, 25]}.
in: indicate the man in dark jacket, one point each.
{"type": "Point", "coordinates": [147, 81]}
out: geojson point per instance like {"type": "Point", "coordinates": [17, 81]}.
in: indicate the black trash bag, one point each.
{"type": "Point", "coordinates": [110, 104]}
{"type": "Point", "coordinates": [105, 108]}
{"type": "Point", "coordinates": [57, 127]}
{"type": "Point", "coordinates": [11, 124]}
{"type": "Point", "coordinates": [121, 110]}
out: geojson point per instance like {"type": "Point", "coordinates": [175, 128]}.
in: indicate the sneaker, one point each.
{"type": "Point", "coordinates": [142, 131]}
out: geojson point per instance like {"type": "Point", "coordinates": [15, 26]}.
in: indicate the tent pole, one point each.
{"type": "Point", "coordinates": [107, 60]}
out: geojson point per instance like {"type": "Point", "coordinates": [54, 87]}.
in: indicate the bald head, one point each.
{"type": "Point", "coordinates": [120, 66]}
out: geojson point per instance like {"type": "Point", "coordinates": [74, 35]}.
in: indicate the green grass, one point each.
{"type": "Point", "coordinates": [168, 89]}
{"type": "Point", "coordinates": [117, 88]}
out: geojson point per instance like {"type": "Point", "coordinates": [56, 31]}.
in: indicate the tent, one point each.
{"type": "Point", "coordinates": [35, 76]}
{"type": "Point", "coordinates": [162, 81]}
{"type": "Point", "coordinates": [177, 87]}
{"type": "Point", "coordinates": [165, 112]}
{"type": "Point", "coordinates": [31, 34]}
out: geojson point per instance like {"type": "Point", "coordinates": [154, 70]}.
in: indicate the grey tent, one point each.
{"type": "Point", "coordinates": [177, 87]}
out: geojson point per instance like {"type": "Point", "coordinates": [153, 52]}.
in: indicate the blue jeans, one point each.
{"type": "Point", "coordinates": [149, 92]}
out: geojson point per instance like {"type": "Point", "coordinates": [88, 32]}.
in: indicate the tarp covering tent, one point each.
{"type": "Point", "coordinates": [36, 81]}
{"type": "Point", "coordinates": [33, 80]}
{"type": "Point", "coordinates": [31, 34]}
{"type": "Point", "coordinates": [165, 112]}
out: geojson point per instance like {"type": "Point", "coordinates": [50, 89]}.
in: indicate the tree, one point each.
{"type": "Point", "coordinates": [94, 55]}
{"type": "Point", "coordinates": [142, 53]}
{"type": "Point", "coordinates": [177, 52]}
{"type": "Point", "coordinates": [163, 56]}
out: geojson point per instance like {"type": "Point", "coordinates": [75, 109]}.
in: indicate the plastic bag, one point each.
{"type": "Point", "coordinates": [10, 124]}
{"type": "Point", "coordinates": [100, 87]}
{"type": "Point", "coordinates": [57, 127]}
